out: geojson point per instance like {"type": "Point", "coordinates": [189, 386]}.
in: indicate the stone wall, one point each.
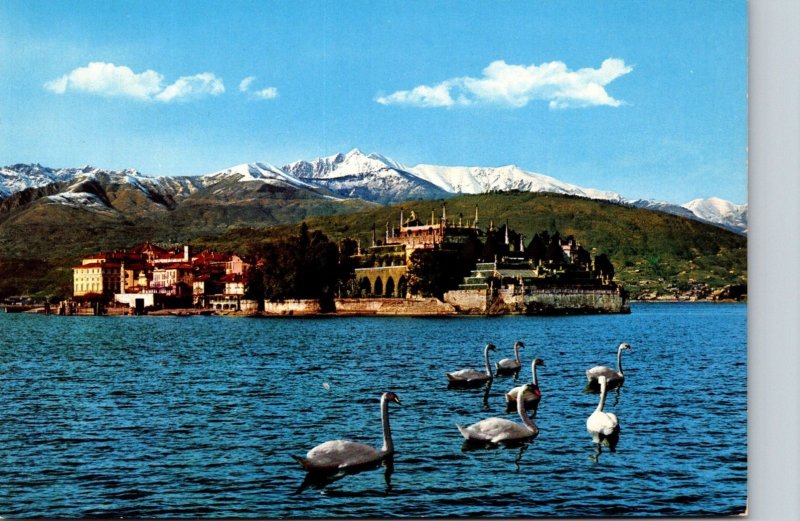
{"type": "Point", "coordinates": [537, 301]}
{"type": "Point", "coordinates": [393, 306]}
{"type": "Point", "coordinates": [574, 301]}
{"type": "Point", "coordinates": [292, 307]}
{"type": "Point", "coordinates": [468, 301]}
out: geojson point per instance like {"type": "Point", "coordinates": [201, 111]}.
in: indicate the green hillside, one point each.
{"type": "Point", "coordinates": [654, 253]}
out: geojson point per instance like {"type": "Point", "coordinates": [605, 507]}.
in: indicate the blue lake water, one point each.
{"type": "Point", "coordinates": [198, 416]}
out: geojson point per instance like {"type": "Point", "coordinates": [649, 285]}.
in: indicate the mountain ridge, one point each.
{"type": "Point", "coordinates": [353, 175]}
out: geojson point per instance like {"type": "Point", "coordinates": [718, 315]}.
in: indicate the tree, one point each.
{"type": "Point", "coordinates": [555, 255]}
{"type": "Point", "coordinates": [536, 250]}
{"type": "Point", "coordinates": [603, 268]}
{"type": "Point", "coordinates": [432, 272]}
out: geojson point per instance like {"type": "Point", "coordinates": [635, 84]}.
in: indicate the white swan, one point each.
{"type": "Point", "coordinates": [533, 394]}
{"type": "Point", "coordinates": [602, 424]}
{"type": "Point", "coordinates": [613, 378]}
{"type": "Point", "coordinates": [470, 377]}
{"type": "Point", "coordinates": [509, 365]}
{"type": "Point", "coordinates": [342, 455]}
{"type": "Point", "coordinates": [496, 430]}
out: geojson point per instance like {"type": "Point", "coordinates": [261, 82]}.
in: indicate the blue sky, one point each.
{"type": "Point", "coordinates": [645, 98]}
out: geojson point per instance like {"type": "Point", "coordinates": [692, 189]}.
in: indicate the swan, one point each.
{"type": "Point", "coordinates": [343, 455]}
{"type": "Point", "coordinates": [530, 397]}
{"type": "Point", "coordinates": [496, 430]}
{"type": "Point", "coordinates": [602, 424]}
{"type": "Point", "coordinates": [508, 365]}
{"type": "Point", "coordinates": [613, 378]}
{"type": "Point", "coordinates": [471, 377]}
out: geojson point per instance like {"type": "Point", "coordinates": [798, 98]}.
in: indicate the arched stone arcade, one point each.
{"type": "Point", "coordinates": [384, 281]}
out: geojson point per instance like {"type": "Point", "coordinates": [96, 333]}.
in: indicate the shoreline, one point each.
{"type": "Point", "coordinates": [192, 312]}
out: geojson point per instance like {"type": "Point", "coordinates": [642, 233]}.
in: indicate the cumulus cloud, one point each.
{"type": "Point", "coordinates": [517, 85]}
{"type": "Point", "coordinates": [107, 79]}
{"type": "Point", "coordinates": [192, 87]}
{"type": "Point", "coordinates": [244, 85]}
{"type": "Point", "coordinates": [267, 93]}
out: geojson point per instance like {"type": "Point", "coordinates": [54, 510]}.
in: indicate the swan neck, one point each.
{"type": "Point", "coordinates": [486, 360]}
{"type": "Point", "coordinates": [619, 361]}
{"type": "Point", "coordinates": [516, 353]}
{"type": "Point", "coordinates": [533, 368]}
{"type": "Point", "coordinates": [522, 413]}
{"type": "Point", "coordinates": [603, 392]}
{"type": "Point", "coordinates": [388, 446]}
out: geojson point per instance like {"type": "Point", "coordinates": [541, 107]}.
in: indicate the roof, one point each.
{"type": "Point", "coordinates": [114, 265]}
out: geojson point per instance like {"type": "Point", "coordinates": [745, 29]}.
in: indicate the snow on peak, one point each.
{"type": "Point", "coordinates": [259, 172]}
{"type": "Point", "coordinates": [478, 179]}
{"type": "Point", "coordinates": [720, 211]}
{"type": "Point", "coordinates": [352, 163]}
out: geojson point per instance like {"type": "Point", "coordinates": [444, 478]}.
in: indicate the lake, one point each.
{"type": "Point", "coordinates": [199, 416]}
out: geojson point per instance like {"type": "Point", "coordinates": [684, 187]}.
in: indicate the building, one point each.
{"type": "Point", "coordinates": [383, 267]}
{"type": "Point", "coordinates": [148, 275]}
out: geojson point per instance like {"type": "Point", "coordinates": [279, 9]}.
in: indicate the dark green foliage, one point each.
{"type": "Point", "coordinates": [432, 272]}
{"type": "Point", "coordinates": [651, 250]}
{"type": "Point", "coordinates": [304, 266]}
{"type": "Point", "coordinates": [603, 267]}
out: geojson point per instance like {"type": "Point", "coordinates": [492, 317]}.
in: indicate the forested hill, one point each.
{"type": "Point", "coordinates": [653, 252]}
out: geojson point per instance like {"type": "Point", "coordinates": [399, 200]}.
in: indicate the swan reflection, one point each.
{"type": "Point", "coordinates": [320, 480]}
{"type": "Point", "coordinates": [609, 441]}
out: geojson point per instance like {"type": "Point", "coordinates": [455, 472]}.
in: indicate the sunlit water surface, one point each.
{"type": "Point", "coordinates": [198, 416]}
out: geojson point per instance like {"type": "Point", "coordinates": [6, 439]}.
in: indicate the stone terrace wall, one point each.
{"type": "Point", "coordinates": [292, 307]}
{"type": "Point", "coordinates": [470, 301]}
{"type": "Point", "coordinates": [575, 301]}
{"type": "Point", "coordinates": [393, 306]}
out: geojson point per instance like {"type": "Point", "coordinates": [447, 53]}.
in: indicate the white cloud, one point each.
{"type": "Point", "coordinates": [244, 85]}
{"type": "Point", "coordinates": [517, 85]}
{"type": "Point", "coordinates": [192, 87]}
{"type": "Point", "coordinates": [107, 79]}
{"type": "Point", "coordinates": [422, 96]}
{"type": "Point", "coordinates": [268, 93]}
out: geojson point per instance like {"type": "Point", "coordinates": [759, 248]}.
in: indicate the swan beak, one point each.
{"type": "Point", "coordinates": [537, 392]}
{"type": "Point", "coordinates": [396, 400]}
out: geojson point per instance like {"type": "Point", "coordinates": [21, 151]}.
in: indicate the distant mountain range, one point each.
{"type": "Point", "coordinates": [333, 180]}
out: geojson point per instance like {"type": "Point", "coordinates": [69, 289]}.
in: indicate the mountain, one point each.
{"type": "Point", "coordinates": [90, 208]}
{"type": "Point", "coordinates": [383, 180]}
{"type": "Point", "coordinates": [369, 177]}
{"type": "Point", "coordinates": [478, 180]}
{"type": "Point", "coordinates": [721, 212]}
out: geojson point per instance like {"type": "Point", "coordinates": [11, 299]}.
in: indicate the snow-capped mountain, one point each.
{"type": "Point", "coordinates": [719, 211]}
{"type": "Point", "coordinates": [354, 175]}
{"type": "Point", "coordinates": [476, 180]}
{"type": "Point", "coordinates": [258, 173]}
{"type": "Point", "coordinates": [370, 177]}
{"type": "Point", "coordinates": [16, 178]}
